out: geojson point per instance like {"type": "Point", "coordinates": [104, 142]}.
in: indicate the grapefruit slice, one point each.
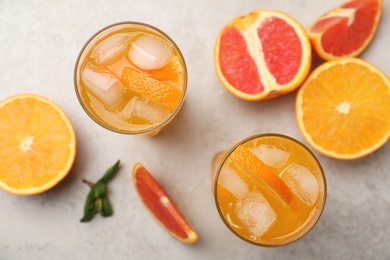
{"type": "Point", "coordinates": [262, 55]}
{"type": "Point", "coordinates": [343, 108]}
{"type": "Point", "coordinates": [347, 30]}
{"type": "Point", "coordinates": [161, 207]}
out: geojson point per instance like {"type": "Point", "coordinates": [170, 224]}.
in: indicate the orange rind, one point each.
{"type": "Point", "coordinates": [343, 108]}
{"type": "Point", "coordinates": [248, 159]}
{"type": "Point", "coordinates": [37, 144]}
{"type": "Point", "coordinates": [152, 88]}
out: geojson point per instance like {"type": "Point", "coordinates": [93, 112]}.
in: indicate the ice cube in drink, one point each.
{"type": "Point", "coordinates": [302, 182]}
{"type": "Point", "coordinates": [103, 84]}
{"type": "Point", "coordinates": [149, 52]}
{"type": "Point", "coordinates": [112, 49]}
{"type": "Point", "coordinates": [144, 109]}
{"type": "Point", "coordinates": [255, 214]}
{"type": "Point", "coordinates": [271, 155]}
{"type": "Point", "coordinates": [230, 180]}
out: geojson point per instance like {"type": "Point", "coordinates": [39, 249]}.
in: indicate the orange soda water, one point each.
{"type": "Point", "coordinates": [269, 189]}
{"type": "Point", "coordinates": [131, 78]}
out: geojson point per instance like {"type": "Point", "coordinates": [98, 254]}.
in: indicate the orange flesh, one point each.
{"type": "Point", "coordinates": [288, 221]}
{"type": "Point", "coordinates": [249, 160]}
{"type": "Point", "coordinates": [148, 86]}
{"type": "Point", "coordinates": [45, 149]}
{"type": "Point", "coordinates": [363, 125]}
{"type": "Point", "coordinates": [37, 145]}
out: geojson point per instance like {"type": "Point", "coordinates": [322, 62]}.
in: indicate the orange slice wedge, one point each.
{"type": "Point", "coordinates": [347, 30]}
{"type": "Point", "coordinates": [161, 207]}
{"type": "Point", "coordinates": [37, 144]}
{"type": "Point", "coordinates": [248, 159]}
{"type": "Point", "coordinates": [262, 54]}
{"type": "Point", "coordinates": [151, 88]}
{"type": "Point", "coordinates": [343, 108]}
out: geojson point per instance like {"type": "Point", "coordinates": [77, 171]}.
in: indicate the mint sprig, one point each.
{"type": "Point", "coordinates": [97, 200]}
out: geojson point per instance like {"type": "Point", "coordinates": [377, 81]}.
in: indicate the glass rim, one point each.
{"type": "Point", "coordinates": [306, 228]}
{"type": "Point", "coordinates": [155, 127]}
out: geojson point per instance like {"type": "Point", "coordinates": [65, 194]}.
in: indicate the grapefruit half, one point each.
{"type": "Point", "coordinates": [262, 54]}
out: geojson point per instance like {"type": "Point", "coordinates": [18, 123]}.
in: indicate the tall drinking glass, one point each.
{"type": "Point", "coordinates": [269, 189]}
{"type": "Point", "coordinates": [131, 78]}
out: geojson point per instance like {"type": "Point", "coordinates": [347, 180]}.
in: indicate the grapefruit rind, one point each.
{"type": "Point", "coordinates": [299, 113]}
{"type": "Point", "coordinates": [247, 25]}
{"type": "Point", "coordinates": [62, 173]}
{"type": "Point", "coordinates": [335, 16]}
{"type": "Point", "coordinates": [161, 207]}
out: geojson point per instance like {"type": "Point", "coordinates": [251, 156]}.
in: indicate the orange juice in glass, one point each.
{"type": "Point", "coordinates": [131, 78]}
{"type": "Point", "coordinates": [269, 189]}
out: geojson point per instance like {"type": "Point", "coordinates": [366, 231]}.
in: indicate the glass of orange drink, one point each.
{"type": "Point", "coordinates": [269, 189]}
{"type": "Point", "coordinates": [131, 78]}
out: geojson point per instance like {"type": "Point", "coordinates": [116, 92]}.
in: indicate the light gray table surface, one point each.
{"type": "Point", "coordinates": [39, 43]}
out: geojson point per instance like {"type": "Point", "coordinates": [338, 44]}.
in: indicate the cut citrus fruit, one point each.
{"type": "Point", "coordinates": [161, 206]}
{"type": "Point", "coordinates": [248, 159]}
{"type": "Point", "coordinates": [343, 108]}
{"type": "Point", "coordinates": [151, 88]}
{"type": "Point", "coordinates": [347, 30]}
{"type": "Point", "coordinates": [262, 55]}
{"type": "Point", "coordinates": [37, 144]}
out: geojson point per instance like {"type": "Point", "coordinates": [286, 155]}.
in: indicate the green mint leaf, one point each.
{"type": "Point", "coordinates": [97, 201]}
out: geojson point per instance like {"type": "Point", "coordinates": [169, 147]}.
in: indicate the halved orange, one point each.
{"type": "Point", "coordinates": [343, 108]}
{"type": "Point", "coordinates": [161, 206]}
{"type": "Point", "coordinates": [262, 54]}
{"type": "Point", "coordinates": [347, 30]}
{"type": "Point", "coordinates": [151, 87]}
{"type": "Point", "coordinates": [37, 144]}
{"type": "Point", "coordinates": [248, 159]}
